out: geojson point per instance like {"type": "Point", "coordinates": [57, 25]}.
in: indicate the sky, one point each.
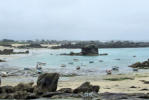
{"type": "Point", "coordinates": [74, 19]}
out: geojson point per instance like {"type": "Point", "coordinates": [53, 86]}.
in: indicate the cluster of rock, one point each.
{"type": "Point", "coordinates": [46, 88]}
{"type": "Point", "coordinates": [32, 45]}
{"type": "Point", "coordinates": [141, 65]}
{"type": "Point", "coordinates": [11, 51]}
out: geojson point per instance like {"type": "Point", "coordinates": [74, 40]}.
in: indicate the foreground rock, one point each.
{"type": "Point", "coordinates": [86, 87]}
{"type": "Point", "coordinates": [46, 88]}
{"type": "Point", "coordinates": [143, 65]}
{"type": "Point", "coordinates": [48, 82]}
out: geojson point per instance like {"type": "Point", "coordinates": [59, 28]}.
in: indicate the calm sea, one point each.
{"type": "Point", "coordinates": [54, 60]}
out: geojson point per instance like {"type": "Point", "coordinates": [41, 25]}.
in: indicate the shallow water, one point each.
{"type": "Point", "coordinates": [54, 60]}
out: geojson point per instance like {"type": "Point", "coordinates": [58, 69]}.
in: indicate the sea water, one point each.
{"type": "Point", "coordinates": [54, 60]}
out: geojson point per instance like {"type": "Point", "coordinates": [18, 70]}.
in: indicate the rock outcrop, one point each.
{"type": "Point", "coordinates": [48, 82]}
{"type": "Point", "coordinates": [139, 65]}
{"type": "Point", "coordinates": [11, 51]}
{"type": "Point", "coordinates": [86, 87]}
{"type": "Point", "coordinates": [89, 50]}
{"type": "Point", "coordinates": [6, 51]}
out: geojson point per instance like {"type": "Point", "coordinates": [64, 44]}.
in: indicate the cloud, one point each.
{"type": "Point", "coordinates": [74, 19]}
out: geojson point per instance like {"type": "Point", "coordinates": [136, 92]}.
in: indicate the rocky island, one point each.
{"type": "Point", "coordinates": [11, 51]}
{"type": "Point", "coordinates": [88, 50]}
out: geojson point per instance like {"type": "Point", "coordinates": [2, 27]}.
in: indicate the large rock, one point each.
{"type": "Point", "coordinates": [143, 65]}
{"type": "Point", "coordinates": [86, 87]}
{"type": "Point", "coordinates": [89, 50]}
{"type": "Point", "coordinates": [48, 82]}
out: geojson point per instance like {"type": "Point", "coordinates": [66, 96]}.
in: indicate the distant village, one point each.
{"type": "Point", "coordinates": [72, 44]}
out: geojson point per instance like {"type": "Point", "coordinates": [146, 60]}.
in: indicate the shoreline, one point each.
{"type": "Point", "coordinates": [122, 83]}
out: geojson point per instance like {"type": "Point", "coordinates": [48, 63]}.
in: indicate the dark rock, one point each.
{"type": "Point", "coordinates": [47, 82]}
{"type": "Point", "coordinates": [20, 95]}
{"type": "Point", "coordinates": [6, 51]}
{"type": "Point", "coordinates": [95, 88]}
{"type": "Point", "coordinates": [11, 51]}
{"type": "Point", "coordinates": [89, 50]}
{"type": "Point", "coordinates": [66, 90]}
{"type": "Point", "coordinates": [145, 89]}
{"type": "Point", "coordinates": [50, 94]}
{"type": "Point", "coordinates": [143, 65]}
{"type": "Point", "coordinates": [31, 96]}
{"type": "Point", "coordinates": [25, 87]}
{"type": "Point", "coordinates": [6, 96]}
{"type": "Point", "coordinates": [2, 60]}
{"type": "Point", "coordinates": [133, 87]}
{"type": "Point", "coordinates": [103, 54]}
{"type": "Point", "coordinates": [35, 45]}
{"type": "Point", "coordinates": [144, 97]}
{"type": "Point", "coordinates": [86, 87]}
{"type": "Point", "coordinates": [91, 61]}
{"type": "Point", "coordinates": [145, 82]}
{"type": "Point", "coordinates": [7, 89]}
{"type": "Point", "coordinates": [68, 96]}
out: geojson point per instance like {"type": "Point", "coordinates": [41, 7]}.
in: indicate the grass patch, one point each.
{"type": "Point", "coordinates": [119, 79]}
{"type": "Point", "coordinates": [69, 75]}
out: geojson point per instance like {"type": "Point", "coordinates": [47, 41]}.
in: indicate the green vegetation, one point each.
{"type": "Point", "coordinates": [119, 79]}
{"type": "Point", "coordinates": [69, 75]}
{"type": "Point", "coordinates": [139, 75]}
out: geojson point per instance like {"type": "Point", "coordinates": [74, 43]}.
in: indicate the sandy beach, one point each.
{"type": "Point", "coordinates": [117, 86]}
